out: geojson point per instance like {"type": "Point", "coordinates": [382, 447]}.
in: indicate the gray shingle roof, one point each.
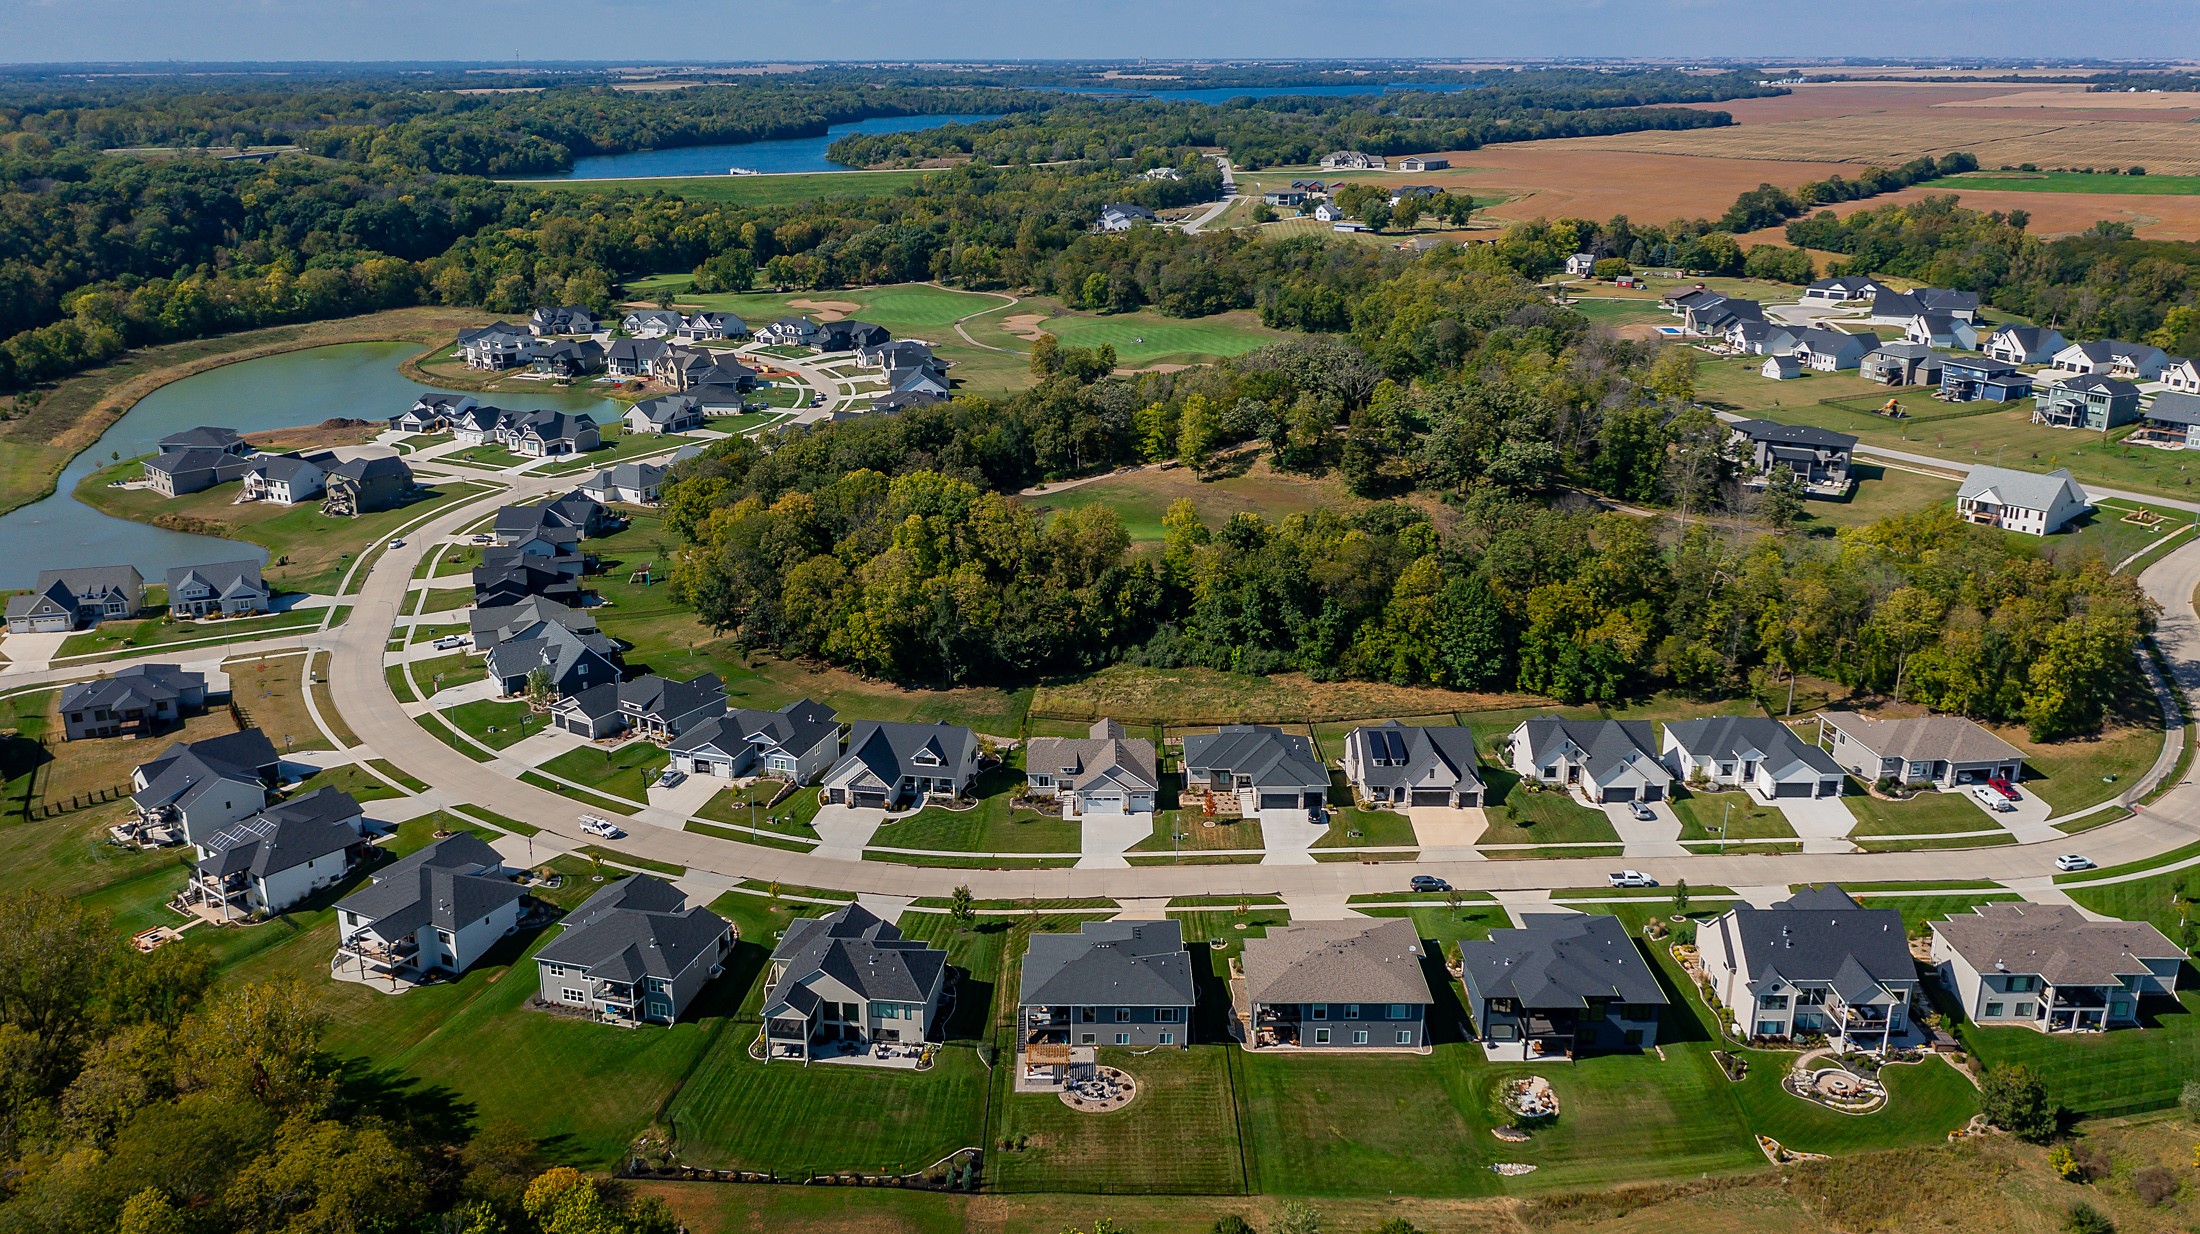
{"type": "Point", "coordinates": [1270, 756]}
{"type": "Point", "coordinates": [1395, 755]}
{"type": "Point", "coordinates": [1820, 934]}
{"type": "Point", "coordinates": [857, 948]}
{"type": "Point", "coordinates": [2171, 407]}
{"type": "Point", "coordinates": [204, 437]}
{"type": "Point", "coordinates": [1561, 960]}
{"type": "Point", "coordinates": [285, 836]}
{"type": "Point", "coordinates": [637, 927]}
{"type": "Point", "coordinates": [187, 769]}
{"type": "Point", "coordinates": [796, 728]}
{"type": "Point", "coordinates": [224, 578]}
{"type": "Point", "coordinates": [888, 749]}
{"type": "Point", "coordinates": [1607, 746]}
{"type": "Point", "coordinates": [452, 883]}
{"type": "Point", "coordinates": [1793, 434]}
{"type": "Point", "coordinates": [137, 684]}
{"type": "Point", "coordinates": [2056, 942]}
{"type": "Point", "coordinates": [1105, 756]}
{"type": "Point", "coordinates": [1110, 964]}
{"type": "Point", "coordinates": [1337, 962]}
{"type": "Point", "coordinates": [1734, 737]}
{"type": "Point", "coordinates": [2027, 490]}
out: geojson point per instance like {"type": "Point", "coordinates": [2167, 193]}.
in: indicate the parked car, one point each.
{"type": "Point", "coordinates": [1429, 882]}
{"type": "Point", "coordinates": [1641, 812]}
{"type": "Point", "coordinates": [2005, 788]}
{"type": "Point", "coordinates": [1631, 878]}
{"type": "Point", "coordinates": [1990, 799]}
{"type": "Point", "coordinates": [670, 777]}
{"type": "Point", "coordinates": [600, 827]}
{"type": "Point", "coordinates": [449, 641]}
{"type": "Point", "coordinates": [397, 544]}
{"type": "Point", "coordinates": [2071, 862]}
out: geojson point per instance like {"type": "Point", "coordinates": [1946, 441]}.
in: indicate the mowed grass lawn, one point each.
{"type": "Point", "coordinates": [1179, 1136]}
{"type": "Point", "coordinates": [1707, 816]}
{"type": "Point", "coordinates": [2101, 1075]}
{"type": "Point", "coordinates": [1521, 815]}
{"type": "Point", "coordinates": [735, 1112]}
{"type": "Point", "coordinates": [767, 190]}
{"type": "Point", "coordinates": [623, 772]}
{"type": "Point", "coordinates": [1141, 498]}
{"type": "Point", "coordinates": [1925, 814]}
{"type": "Point", "coordinates": [1149, 338]}
{"type": "Point", "coordinates": [991, 825]}
{"type": "Point", "coordinates": [2067, 182]}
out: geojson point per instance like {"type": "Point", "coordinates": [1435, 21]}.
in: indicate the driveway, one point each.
{"type": "Point", "coordinates": [1288, 837]}
{"type": "Point", "coordinates": [1448, 833]}
{"type": "Point", "coordinates": [845, 831]}
{"type": "Point", "coordinates": [1656, 837]}
{"type": "Point", "coordinates": [2028, 822]}
{"type": "Point", "coordinates": [1103, 838]}
{"type": "Point", "coordinates": [686, 797]}
{"type": "Point", "coordinates": [1823, 823]}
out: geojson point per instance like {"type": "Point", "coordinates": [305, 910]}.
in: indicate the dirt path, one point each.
{"type": "Point", "coordinates": [1007, 301]}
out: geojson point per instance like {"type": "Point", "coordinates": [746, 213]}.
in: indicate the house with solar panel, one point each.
{"type": "Point", "coordinates": [1398, 765]}
{"type": "Point", "coordinates": [278, 857]}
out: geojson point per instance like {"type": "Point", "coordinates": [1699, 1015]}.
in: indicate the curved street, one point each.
{"type": "Point", "coordinates": [363, 697]}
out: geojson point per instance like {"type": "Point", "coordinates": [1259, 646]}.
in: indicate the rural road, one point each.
{"type": "Point", "coordinates": [1229, 194]}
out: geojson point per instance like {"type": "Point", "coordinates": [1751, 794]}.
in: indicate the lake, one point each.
{"type": "Point", "coordinates": [780, 155]}
{"type": "Point", "coordinates": [1223, 94]}
{"type": "Point", "coordinates": [349, 380]}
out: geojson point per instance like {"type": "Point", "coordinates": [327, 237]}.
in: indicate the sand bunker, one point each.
{"type": "Point", "coordinates": [1026, 326]}
{"type": "Point", "coordinates": [826, 310]}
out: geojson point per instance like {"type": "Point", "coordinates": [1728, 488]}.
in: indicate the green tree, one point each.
{"type": "Point", "coordinates": [57, 960]}
{"type": "Point", "coordinates": [962, 906]}
{"type": "Point", "coordinates": [2083, 1218]}
{"type": "Point", "coordinates": [2012, 1098]}
{"type": "Point", "coordinates": [1680, 896]}
{"type": "Point", "coordinates": [1046, 356]}
{"type": "Point", "coordinates": [1198, 432]}
{"type": "Point", "coordinates": [1782, 501]}
{"type": "Point", "coordinates": [1905, 621]}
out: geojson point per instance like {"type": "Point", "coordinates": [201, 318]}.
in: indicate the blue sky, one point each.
{"type": "Point", "coordinates": [33, 30]}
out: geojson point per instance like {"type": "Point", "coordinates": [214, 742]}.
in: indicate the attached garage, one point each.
{"type": "Point", "coordinates": [1470, 797]}
{"type": "Point", "coordinates": [1279, 801]}
{"type": "Point", "coordinates": [1795, 788]}
{"type": "Point", "coordinates": [1620, 794]}
{"type": "Point", "coordinates": [1430, 797]}
{"type": "Point", "coordinates": [869, 799]}
{"type": "Point", "coordinates": [1653, 792]}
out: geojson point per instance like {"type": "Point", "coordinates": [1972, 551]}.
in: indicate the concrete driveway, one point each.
{"type": "Point", "coordinates": [1823, 823]}
{"type": "Point", "coordinates": [1655, 837]}
{"type": "Point", "coordinates": [1448, 833]}
{"type": "Point", "coordinates": [845, 831]}
{"type": "Point", "coordinates": [2028, 822]}
{"type": "Point", "coordinates": [1102, 839]}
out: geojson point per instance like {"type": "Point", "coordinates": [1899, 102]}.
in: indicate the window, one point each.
{"type": "Point", "coordinates": [1992, 1012]}
{"type": "Point", "coordinates": [1351, 1011]}
{"type": "Point", "coordinates": [1398, 1011]}
{"type": "Point", "coordinates": [1768, 1028]}
{"type": "Point", "coordinates": [1122, 1015]}
{"type": "Point", "coordinates": [1122, 1039]}
{"type": "Point", "coordinates": [1773, 1002]}
{"type": "Point", "coordinates": [887, 1011]}
{"type": "Point", "coordinates": [571, 995]}
{"type": "Point", "coordinates": [1359, 1036]}
{"type": "Point", "coordinates": [1405, 1036]}
{"type": "Point", "coordinates": [2023, 985]}
{"type": "Point", "coordinates": [2025, 1010]}
{"type": "Point", "coordinates": [1321, 1036]}
{"type": "Point", "coordinates": [1084, 1038]}
{"type": "Point", "coordinates": [1084, 1015]}
{"type": "Point", "coordinates": [1167, 1039]}
{"type": "Point", "coordinates": [660, 1008]}
{"type": "Point", "coordinates": [1317, 1011]}
{"type": "Point", "coordinates": [1042, 781]}
{"type": "Point", "coordinates": [1165, 1015]}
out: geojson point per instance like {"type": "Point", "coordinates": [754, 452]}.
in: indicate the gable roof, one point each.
{"type": "Point", "coordinates": [1395, 755]}
{"type": "Point", "coordinates": [2171, 407]}
{"type": "Point", "coordinates": [285, 836]}
{"type": "Point", "coordinates": [139, 684]}
{"type": "Point", "coordinates": [888, 750]}
{"type": "Point", "coordinates": [187, 770]}
{"type": "Point", "coordinates": [2094, 383]}
{"type": "Point", "coordinates": [496, 623]}
{"type": "Point", "coordinates": [450, 884]}
{"type": "Point", "coordinates": [1793, 434]}
{"type": "Point", "coordinates": [1104, 757]}
{"type": "Point", "coordinates": [1739, 737]}
{"type": "Point", "coordinates": [637, 927]}
{"type": "Point", "coordinates": [1110, 964]}
{"type": "Point", "coordinates": [1820, 934]}
{"type": "Point", "coordinates": [1561, 960]}
{"type": "Point", "coordinates": [1608, 747]}
{"type": "Point", "coordinates": [2025, 489]}
{"type": "Point", "coordinates": [796, 728]}
{"type": "Point", "coordinates": [861, 951]}
{"type": "Point", "coordinates": [2055, 941]}
{"type": "Point", "coordinates": [1269, 756]}
{"type": "Point", "coordinates": [1338, 962]}
{"type": "Point", "coordinates": [1924, 737]}
{"type": "Point", "coordinates": [203, 437]}
{"type": "Point", "coordinates": [223, 578]}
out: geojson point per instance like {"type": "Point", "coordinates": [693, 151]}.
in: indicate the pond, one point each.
{"type": "Point", "coordinates": [347, 380]}
{"type": "Point", "coordinates": [781, 155]}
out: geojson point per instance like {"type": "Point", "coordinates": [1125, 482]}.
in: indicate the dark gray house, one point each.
{"type": "Point", "coordinates": [1399, 765]}
{"type": "Point", "coordinates": [1113, 983]}
{"type": "Point", "coordinates": [515, 581]}
{"type": "Point", "coordinates": [1261, 767]}
{"type": "Point", "coordinates": [1562, 984]}
{"type": "Point", "coordinates": [843, 983]}
{"type": "Point", "coordinates": [1339, 985]}
{"type": "Point", "coordinates": [364, 485]}
{"type": "Point", "coordinates": [889, 765]}
{"type": "Point", "coordinates": [635, 953]}
{"type": "Point", "coordinates": [1818, 457]}
{"type": "Point", "coordinates": [571, 663]}
{"type": "Point", "coordinates": [137, 701]}
{"type": "Point", "coordinates": [174, 473]}
{"type": "Point", "coordinates": [206, 437]}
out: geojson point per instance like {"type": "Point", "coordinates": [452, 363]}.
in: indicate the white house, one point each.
{"type": "Point", "coordinates": [2023, 344]}
{"type": "Point", "coordinates": [1607, 760]}
{"type": "Point", "coordinates": [796, 743]}
{"type": "Point", "coordinates": [2048, 968]}
{"type": "Point", "coordinates": [439, 910]}
{"type": "Point", "coordinates": [2181, 376]}
{"type": "Point", "coordinates": [278, 857]}
{"type": "Point", "coordinates": [2112, 358]}
{"type": "Point", "coordinates": [287, 479]}
{"type": "Point", "coordinates": [222, 589]}
{"type": "Point", "coordinates": [1941, 330]}
{"type": "Point", "coordinates": [2022, 501]}
{"type": "Point", "coordinates": [1581, 263]}
{"type": "Point", "coordinates": [1104, 772]}
{"type": "Point", "coordinates": [1752, 752]}
{"type": "Point", "coordinates": [1814, 965]}
{"type": "Point", "coordinates": [198, 788]}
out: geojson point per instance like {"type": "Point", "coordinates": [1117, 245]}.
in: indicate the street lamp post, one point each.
{"type": "Point", "coordinates": [1722, 825]}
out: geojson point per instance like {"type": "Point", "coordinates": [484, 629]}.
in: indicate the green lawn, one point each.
{"type": "Point", "coordinates": [1521, 815]}
{"type": "Point", "coordinates": [990, 826]}
{"type": "Point", "coordinates": [350, 778]}
{"type": "Point", "coordinates": [618, 444]}
{"type": "Point", "coordinates": [766, 190]}
{"type": "Point", "coordinates": [1703, 815]}
{"type": "Point", "coordinates": [795, 1120]}
{"type": "Point", "coordinates": [1376, 828]}
{"type": "Point", "coordinates": [1179, 1136]}
{"type": "Point", "coordinates": [495, 724]}
{"type": "Point", "coordinates": [624, 772]}
{"type": "Point", "coordinates": [1930, 813]}
{"type": "Point", "coordinates": [134, 637]}
{"type": "Point", "coordinates": [790, 817]}
{"type": "Point", "coordinates": [2101, 1075]}
{"type": "Point", "coordinates": [1352, 1124]}
{"type": "Point", "coordinates": [2065, 182]}
{"type": "Point", "coordinates": [1141, 498]}
{"type": "Point", "coordinates": [1880, 491]}
{"type": "Point", "coordinates": [1149, 338]}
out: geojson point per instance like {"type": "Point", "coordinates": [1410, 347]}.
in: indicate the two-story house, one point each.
{"type": "Point", "coordinates": [2023, 344]}
{"type": "Point", "coordinates": [276, 858]}
{"type": "Point", "coordinates": [2023, 501]}
{"type": "Point", "coordinates": [635, 953]}
{"type": "Point", "coordinates": [653, 708]}
{"type": "Point", "coordinates": [1814, 965]}
{"type": "Point", "coordinates": [1605, 760]}
{"type": "Point", "coordinates": [1358, 985]}
{"type": "Point", "coordinates": [196, 788]}
{"type": "Point", "coordinates": [1257, 770]}
{"type": "Point", "coordinates": [1113, 983]}
{"type": "Point", "coordinates": [1826, 350]}
{"type": "Point", "coordinates": [364, 485]}
{"type": "Point", "coordinates": [2087, 401]}
{"type": "Point", "coordinates": [842, 983]}
{"type": "Point", "coordinates": [1105, 772]}
{"type": "Point", "coordinates": [439, 910]}
{"type": "Point", "coordinates": [570, 662]}
{"type": "Point", "coordinates": [1561, 985]}
{"type": "Point", "coordinates": [62, 600]}
{"type": "Point", "coordinates": [495, 347]}
{"type": "Point", "coordinates": [1397, 765]}
{"type": "Point", "coordinates": [1819, 457]}
{"type": "Point", "coordinates": [795, 743]}
{"type": "Point", "coordinates": [287, 479]}
{"type": "Point", "coordinates": [2046, 967]}
{"type": "Point", "coordinates": [889, 765]}
{"type": "Point", "coordinates": [137, 701]}
{"type": "Point", "coordinates": [220, 589]}
{"type": "Point", "coordinates": [2112, 358]}
{"type": "Point", "coordinates": [1995, 381]}
{"type": "Point", "coordinates": [671, 413]}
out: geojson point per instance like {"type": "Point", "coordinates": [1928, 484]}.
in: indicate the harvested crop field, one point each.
{"type": "Point", "coordinates": [1566, 179]}
{"type": "Point", "coordinates": [2053, 140]}
{"type": "Point", "coordinates": [2164, 217]}
{"type": "Point", "coordinates": [2086, 100]}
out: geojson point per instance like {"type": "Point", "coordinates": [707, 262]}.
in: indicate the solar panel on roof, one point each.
{"type": "Point", "coordinates": [1394, 745]}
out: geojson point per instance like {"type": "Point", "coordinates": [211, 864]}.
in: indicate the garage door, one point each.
{"type": "Point", "coordinates": [872, 800]}
{"type": "Point", "coordinates": [1653, 792]}
{"type": "Point", "coordinates": [1469, 798]}
{"type": "Point", "coordinates": [1279, 801]}
{"type": "Point", "coordinates": [1431, 797]}
{"type": "Point", "coordinates": [1798, 789]}
{"type": "Point", "coordinates": [1619, 794]}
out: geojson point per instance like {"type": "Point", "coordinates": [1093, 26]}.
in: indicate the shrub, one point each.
{"type": "Point", "coordinates": [2188, 1099]}
{"type": "Point", "coordinates": [1231, 1223]}
{"type": "Point", "coordinates": [2086, 1219]}
{"type": "Point", "coordinates": [2154, 1185]}
{"type": "Point", "coordinates": [2013, 1099]}
{"type": "Point", "coordinates": [2065, 1166]}
{"type": "Point", "coordinates": [1298, 1218]}
{"type": "Point", "coordinates": [1396, 1225]}
{"type": "Point", "coordinates": [2090, 1162]}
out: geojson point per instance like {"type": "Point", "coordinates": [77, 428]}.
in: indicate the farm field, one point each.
{"type": "Point", "coordinates": [2149, 185]}
{"type": "Point", "coordinates": [1888, 139]}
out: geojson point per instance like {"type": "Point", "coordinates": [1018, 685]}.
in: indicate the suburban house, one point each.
{"type": "Point", "coordinates": [2169, 420]}
{"type": "Point", "coordinates": [2112, 358]}
{"type": "Point", "coordinates": [479, 425]}
{"type": "Point", "coordinates": [1406, 192]}
{"type": "Point", "coordinates": [633, 357]}
{"type": "Point", "coordinates": [1711, 313]}
{"type": "Point", "coordinates": [557, 549]}
{"type": "Point", "coordinates": [223, 589]}
{"type": "Point", "coordinates": [1818, 457]}
{"type": "Point", "coordinates": [1842, 289]}
{"type": "Point", "coordinates": [568, 319]}
{"type": "Point", "coordinates": [633, 483]}
{"type": "Point", "coordinates": [1113, 983]}
{"type": "Point", "coordinates": [1831, 351]}
{"type": "Point", "coordinates": [1122, 216]}
{"type": "Point", "coordinates": [1941, 330]}
{"type": "Point", "coordinates": [62, 600]}
{"type": "Point", "coordinates": [364, 485]}
{"type": "Point", "coordinates": [889, 765]}
{"type": "Point", "coordinates": [204, 786]}
{"type": "Point", "coordinates": [1761, 338]}
{"type": "Point", "coordinates": [652, 707]}
{"type": "Point", "coordinates": [2023, 501]}
{"type": "Point", "coordinates": [1104, 772]}
{"type": "Point", "coordinates": [137, 701]}
{"type": "Point", "coordinates": [439, 910]}
{"type": "Point", "coordinates": [494, 347]}
{"type": "Point", "coordinates": [1284, 197]}
{"type": "Point", "coordinates": [430, 413]}
{"type": "Point", "coordinates": [788, 331]}
{"type": "Point", "coordinates": [173, 473]}
{"type": "Point", "coordinates": [1423, 162]}
{"type": "Point", "coordinates": [2181, 376]}
{"type": "Point", "coordinates": [272, 860]}
{"type": "Point", "coordinates": [206, 437]}
{"type": "Point", "coordinates": [500, 585]}
{"type": "Point", "coordinates": [699, 327]}
{"type": "Point", "coordinates": [1262, 767]}
{"type": "Point", "coordinates": [1354, 985]}
{"type": "Point", "coordinates": [2024, 344]}
{"type": "Point", "coordinates": [574, 513]}
{"type": "Point", "coordinates": [1352, 160]}
{"type": "Point", "coordinates": [1943, 750]}
{"type": "Point", "coordinates": [650, 323]}
{"type": "Point", "coordinates": [566, 357]}
{"type": "Point", "coordinates": [1995, 381]}
{"type": "Point", "coordinates": [287, 479]}
{"type": "Point", "coordinates": [842, 983]}
{"type": "Point", "coordinates": [1894, 308]}
{"type": "Point", "coordinates": [1328, 212]}
{"type": "Point", "coordinates": [495, 625]}
{"type": "Point", "coordinates": [1562, 984]}
{"type": "Point", "coordinates": [551, 434]}
{"type": "Point", "coordinates": [1781, 367]}
{"type": "Point", "coordinates": [896, 353]}
{"type": "Point", "coordinates": [795, 743]}
{"type": "Point", "coordinates": [1814, 965]}
{"type": "Point", "coordinates": [2088, 401]}
{"type": "Point", "coordinates": [671, 413]}
{"type": "Point", "coordinates": [634, 953]}
{"type": "Point", "coordinates": [570, 662]}
{"type": "Point", "coordinates": [1607, 760]}
{"type": "Point", "coordinates": [2046, 967]}
{"type": "Point", "coordinates": [1399, 765]}
{"type": "Point", "coordinates": [849, 335]}
{"type": "Point", "coordinates": [1752, 752]}
{"type": "Point", "coordinates": [1901, 364]}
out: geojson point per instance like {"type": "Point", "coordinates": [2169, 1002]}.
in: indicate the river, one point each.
{"type": "Point", "coordinates": [351, 380]}
{"type": "Point", "coordinates": [781, 155]}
